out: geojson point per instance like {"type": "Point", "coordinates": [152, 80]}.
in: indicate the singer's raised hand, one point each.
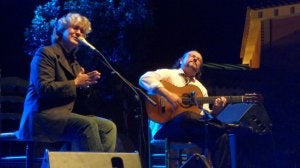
{"type": "Point", "coordinates": [86, 79]}
{"type": "Point", "coordinates": [94, 76]}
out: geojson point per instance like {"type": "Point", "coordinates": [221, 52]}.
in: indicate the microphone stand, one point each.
{"type": "Point", "coordinates": [206, 132]}
{"type": "Point", "coordinates": [134, 88]}
{"type": "Point", "coordinates": [137, 92]}
{"type": "Point", "coordinates": [207, 116]}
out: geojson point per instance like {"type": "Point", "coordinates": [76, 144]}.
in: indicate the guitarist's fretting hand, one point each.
{"type": "Point", "coordinates": [219, 105]}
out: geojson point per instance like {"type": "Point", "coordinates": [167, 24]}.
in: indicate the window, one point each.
{"type": "Point", "coordinates": [276, 12]}
{"type": "Point", "coordinates": [292, 10]}
{"type": "Point", "coordinates": [260, 14]}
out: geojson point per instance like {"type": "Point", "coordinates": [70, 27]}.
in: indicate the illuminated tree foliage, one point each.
{"type": "Point", "coordinates": [111, 20]}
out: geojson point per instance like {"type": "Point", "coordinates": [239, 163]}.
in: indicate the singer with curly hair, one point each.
{"type": "Point", "coordinates": [55, 78]}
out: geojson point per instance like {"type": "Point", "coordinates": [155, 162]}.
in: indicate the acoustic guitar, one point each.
{"type": "Point", "coordinates": [191, 97]}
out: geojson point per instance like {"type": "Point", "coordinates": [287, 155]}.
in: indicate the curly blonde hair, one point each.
{"type": "Point", "coordinates": [71, 19]}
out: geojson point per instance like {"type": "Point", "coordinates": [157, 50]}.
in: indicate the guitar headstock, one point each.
{"type": "Point", "coordinates": [253, 98]}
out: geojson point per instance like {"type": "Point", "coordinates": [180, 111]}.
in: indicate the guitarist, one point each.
{"type": "Point", "coordinates": [186, 126]}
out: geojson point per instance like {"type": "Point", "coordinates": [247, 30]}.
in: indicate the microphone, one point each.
{"type": "Point", "coordinates": [86, 43]}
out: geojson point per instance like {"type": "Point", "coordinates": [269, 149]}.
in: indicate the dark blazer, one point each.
{"type": "Point", "coordinates": [50, 97]}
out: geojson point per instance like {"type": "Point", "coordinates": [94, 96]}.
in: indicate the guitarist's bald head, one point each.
{"type": "Point", "coordinates": [191, 63]}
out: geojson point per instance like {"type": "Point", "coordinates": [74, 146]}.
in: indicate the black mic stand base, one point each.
{"type": "Point", "coordinates": [197, 160]}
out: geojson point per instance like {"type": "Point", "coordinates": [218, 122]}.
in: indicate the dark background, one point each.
{"type": "Point", "coordinates": [213, 27]}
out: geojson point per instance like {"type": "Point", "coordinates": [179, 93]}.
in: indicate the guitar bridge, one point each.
{"type": "Point", "coordinates": [162, 105]}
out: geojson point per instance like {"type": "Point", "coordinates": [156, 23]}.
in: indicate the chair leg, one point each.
{"type": "Point", "coordinates": [29, 154]}
{"type": "Point", "coordinates": [232, 146]}
{"type": "Point", "coordinates": [167, 153]}
{"type": "Point", "coordinates": [180, 153]}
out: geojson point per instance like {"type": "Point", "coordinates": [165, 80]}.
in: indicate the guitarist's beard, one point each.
{"type": "Point", "coordinates": [192, 66]}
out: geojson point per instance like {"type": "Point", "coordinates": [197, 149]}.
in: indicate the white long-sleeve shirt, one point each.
{"type": "Point", "coordinates": [152, 80]}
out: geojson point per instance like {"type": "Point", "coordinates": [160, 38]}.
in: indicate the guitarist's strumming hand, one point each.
{"type": "Point", "coordinates": [172, 98]}
{"type": "Point", "coordinates": [219, 104]}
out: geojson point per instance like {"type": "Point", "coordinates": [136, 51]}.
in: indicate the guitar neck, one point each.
{"type": "Point", "coordinates": [211, 99]}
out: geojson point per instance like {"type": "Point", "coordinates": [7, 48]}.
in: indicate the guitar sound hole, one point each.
{"type": "Point", "coordinates": [163, 109]}
{"type": "Point", "coordinates": [186, 100]}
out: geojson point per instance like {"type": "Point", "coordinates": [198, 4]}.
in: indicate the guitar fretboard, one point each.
{"type": "Point", "coordinates": [210, 100]}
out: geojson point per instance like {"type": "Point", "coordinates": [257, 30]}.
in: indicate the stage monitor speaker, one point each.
{"type": "Point", "coordinates": [90, 160]}
{"type": "Point", "coordinates": [248, 115]}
